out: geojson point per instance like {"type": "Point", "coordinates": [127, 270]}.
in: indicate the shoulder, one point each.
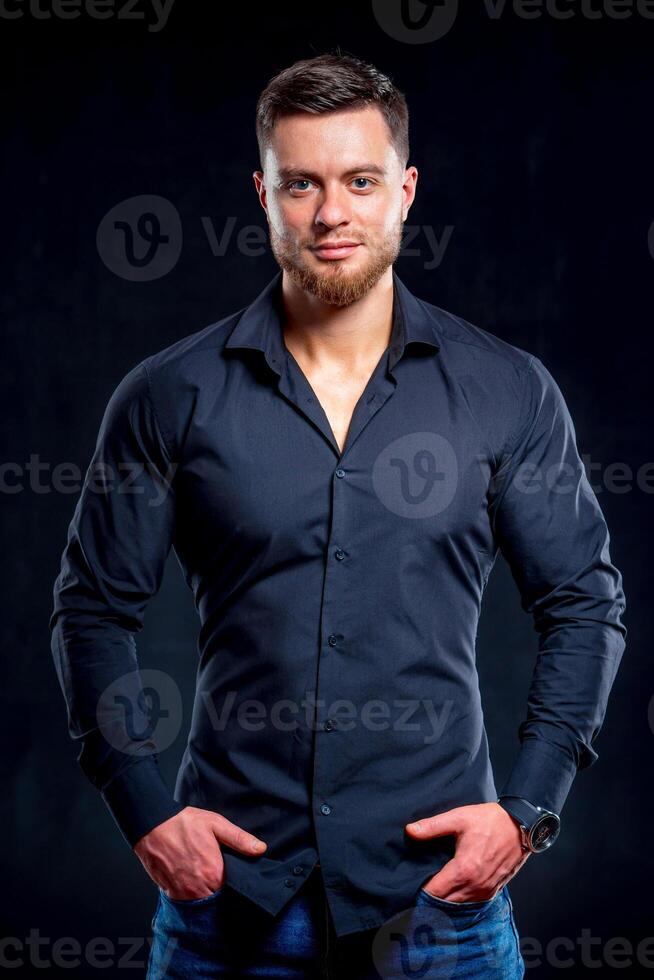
{"type": "Point", "coordinates": [177, 374]}
{"type": "Point", "coordinates": [474, 351]}
{"type": "Point", "coordinates": [184, 355]}
{"type": "Point", "coordinates": [470, 346]}
{"type": "Point", "coordinates": [505, 386]}
{"type": "Point", "coordinates": [163, 388]}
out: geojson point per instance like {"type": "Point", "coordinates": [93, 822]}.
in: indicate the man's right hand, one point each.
{"type": "Point", "coordinates": [182, 855]}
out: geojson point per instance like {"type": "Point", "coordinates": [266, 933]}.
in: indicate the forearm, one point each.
{"type": "Point", "coordinates": [107, 716]}
{"type": "Point", "coordinates": [113, 563]}
{"type": "Point", "coordinates": [550, 528]}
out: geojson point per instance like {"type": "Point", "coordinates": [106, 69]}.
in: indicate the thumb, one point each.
{"type": "Point", "coordinates": [448, 822]}
{"type": "Point", "coordinates": [234, 836]}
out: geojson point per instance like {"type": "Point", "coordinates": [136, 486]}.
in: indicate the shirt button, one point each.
{"type": "Point", "coordinates": [289, 882]}
{"type": "Point", "coordinates": [340, 473]}
{"type": "Point", "coordinates": [329, 725]}
{"type": "Point", "coordinates": [332, 639]}
{"type": "Point", "coordinates": [298, 869]}
{"type": "Point", "coordinates": [325, 808]}
{"type": "Point", "coordinates": [339, 554]}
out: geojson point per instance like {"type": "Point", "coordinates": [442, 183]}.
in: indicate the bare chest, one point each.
{"type": "Point", "coordinates": [338, 396]}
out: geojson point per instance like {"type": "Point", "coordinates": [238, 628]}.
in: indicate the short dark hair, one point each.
{"type": "Point", "coordinates": [327, 83]}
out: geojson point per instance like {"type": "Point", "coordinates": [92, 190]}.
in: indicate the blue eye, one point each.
{"type": "Point", "coordinates": [292, 185]}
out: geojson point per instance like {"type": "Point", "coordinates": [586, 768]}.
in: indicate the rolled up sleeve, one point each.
{"type": "Point", "coordinates": [549, 526]}
{"type": "Point", "coordinates": [113, 562]}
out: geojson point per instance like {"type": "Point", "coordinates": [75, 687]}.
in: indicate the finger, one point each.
{"type": "Point", "coordinates": [451, 884]}
{"type": "Point", "coordinates": [436, 826]}
{"type": "Point", "coordinates": [234, 836]}
{"type": "Point", "coordinates": [445, 882]}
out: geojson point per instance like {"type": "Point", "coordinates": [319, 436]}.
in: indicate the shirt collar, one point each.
{"type": "Point", "coordinates": [260, 325]}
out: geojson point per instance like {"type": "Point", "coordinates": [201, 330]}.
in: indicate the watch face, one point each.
{"type": "Point", "coordinates": [544, 832]}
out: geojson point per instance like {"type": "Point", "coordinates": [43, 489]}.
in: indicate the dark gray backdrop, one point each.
{"type": "Point", "coordinates": [533, 141]}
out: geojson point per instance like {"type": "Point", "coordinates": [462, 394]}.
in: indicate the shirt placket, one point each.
{"type": "Point", "coordinates": [329, 822]}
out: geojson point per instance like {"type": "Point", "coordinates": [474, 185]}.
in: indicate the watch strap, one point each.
{"type": "Point", "coordinates": [527, 815]}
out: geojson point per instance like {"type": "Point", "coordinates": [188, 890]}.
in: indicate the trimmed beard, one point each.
{"type": "Point", "coordinates": [337, 286]}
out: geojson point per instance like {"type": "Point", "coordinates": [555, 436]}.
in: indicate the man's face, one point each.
{"type": "Point", "coordinates": [330, 179]}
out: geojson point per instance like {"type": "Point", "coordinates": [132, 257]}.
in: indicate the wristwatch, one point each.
{"type": "Point", "coordinates": [539, 828]}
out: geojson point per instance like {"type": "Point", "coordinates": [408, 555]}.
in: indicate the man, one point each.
{"type": "Point", "coordinates": [336, 467]}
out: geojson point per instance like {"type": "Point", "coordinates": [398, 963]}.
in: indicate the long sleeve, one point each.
{"type": "Point", "coordinates": [118, 540]}
{"type": "Point", "coordinates": [549, 526]}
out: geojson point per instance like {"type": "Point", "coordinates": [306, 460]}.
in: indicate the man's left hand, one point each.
{"type": "Point", "coordinates": [488, 851]}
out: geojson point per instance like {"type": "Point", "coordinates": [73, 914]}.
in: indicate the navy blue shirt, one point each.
{"type": "Point", "coordinates": [339, 595]}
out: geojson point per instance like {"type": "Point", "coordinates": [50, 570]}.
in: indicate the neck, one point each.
{"type": "Point", "coordinates": [319, 333]}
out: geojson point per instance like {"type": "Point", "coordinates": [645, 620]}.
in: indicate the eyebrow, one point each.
{"type": "Point", "coordinates": [288, 173]}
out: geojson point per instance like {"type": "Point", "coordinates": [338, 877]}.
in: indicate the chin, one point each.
{"type": "Point", "coordinates": [339, 287]}
{"type": "Point", "coordinates": [337, 282]}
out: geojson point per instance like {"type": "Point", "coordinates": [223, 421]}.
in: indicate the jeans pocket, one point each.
{"type": "Point", "coordinates": [192, 902]}
{"type": "Point", "coordinates": [459, 906]}
{"type": "Point", "coordinates": [156, 911]}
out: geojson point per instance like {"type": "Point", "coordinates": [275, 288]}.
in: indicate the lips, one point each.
{"type": "Point", "coordinates": [335, 250]}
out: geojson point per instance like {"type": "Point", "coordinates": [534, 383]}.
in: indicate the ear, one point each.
{"type": "Point", "coordinates": [408, 190]}
{"type": "Point", "coordinates": [260, 188]}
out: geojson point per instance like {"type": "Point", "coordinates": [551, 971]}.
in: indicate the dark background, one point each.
{"type": "Point", "coordinates": [533, 139]}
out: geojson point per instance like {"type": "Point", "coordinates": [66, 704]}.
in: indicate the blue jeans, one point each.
{"type": "Point", "coordinates": [226, 935]}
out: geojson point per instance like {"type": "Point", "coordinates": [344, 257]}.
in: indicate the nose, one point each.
{"type": "Point", "coordinates": [334, 208]}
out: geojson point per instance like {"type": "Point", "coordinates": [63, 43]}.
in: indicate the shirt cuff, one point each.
{"type": "Point", "coordinates": [139, 800]}
{"type": "Point", "coordinates": [542, 774]}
